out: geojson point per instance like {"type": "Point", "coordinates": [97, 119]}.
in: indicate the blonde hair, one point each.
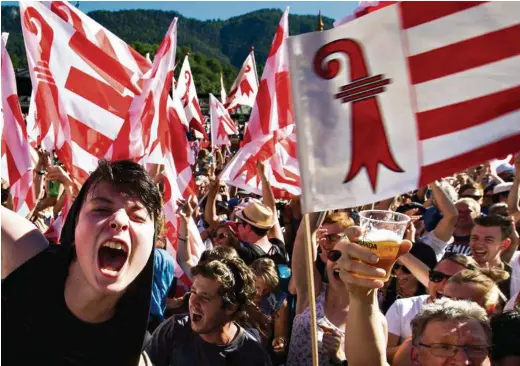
{"type": "Point", "coordinates": [265, 268]}
{"type": "Point", "coordinates": [485, 280]}
{"type": "Point", "coordinates": [341, 219]}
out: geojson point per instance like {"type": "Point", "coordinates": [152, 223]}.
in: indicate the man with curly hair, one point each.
{"type": "Point", "coordinates": [221, 298]}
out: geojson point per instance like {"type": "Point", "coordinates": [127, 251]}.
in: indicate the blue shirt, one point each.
{"type": "Point", "coordinates": [163, 272]}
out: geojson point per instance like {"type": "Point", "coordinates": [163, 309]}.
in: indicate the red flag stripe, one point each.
{"type": "Point", "coordinates": [101, 62]}
{"type": "Point", "coordinates": [414, 13]}
{"type": "Point", "coordinates": [98, 92]}
{"type": "Point", "coordinates": [88, 138]}
{"type": "Point", "coordinates": [283, 99]}
{"type": "Point", "coordinates": [465, 55]}
{"type": "Point", "coordinates": [467, 114]}
{"type": "Point", "coordinates": [458, 163]}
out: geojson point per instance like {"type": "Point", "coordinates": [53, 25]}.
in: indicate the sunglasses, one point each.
{"type": "Point", "coordinates": [476, 198]}
{"type": "Point", "coordinates": [220, 236]}
{"type": "Point", "coordinates": [436, 276]}
{"type": "Point", "coordinates": [402, 268]}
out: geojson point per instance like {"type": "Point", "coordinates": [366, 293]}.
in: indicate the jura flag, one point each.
{"type": "Point", "coordinates": [405, 95]}
{"type": "Point", "coordinates": [186, 92]}
{"type": "Point", "coordinates": [244, 89]}
{"type": "Point", "coordinates": [15, 150]}
{"type": "Point", "coordinates": [221, 123]}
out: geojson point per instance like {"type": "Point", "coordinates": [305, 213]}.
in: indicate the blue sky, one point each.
{"type": "Point", "coordinates": [204, 10]}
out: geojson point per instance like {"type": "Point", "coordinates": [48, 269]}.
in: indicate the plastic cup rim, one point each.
{"type": "Point", "coordinates": [404, 222]}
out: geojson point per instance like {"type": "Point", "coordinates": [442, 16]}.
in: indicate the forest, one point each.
{"type": "Point", "coordinates": [215, 46]}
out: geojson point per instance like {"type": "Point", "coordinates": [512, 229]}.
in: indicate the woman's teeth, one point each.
{"type": "Point", "coordinates": [114, 245]}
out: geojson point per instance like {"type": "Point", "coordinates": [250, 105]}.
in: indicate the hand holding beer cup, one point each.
{"type": "Point", "coordinates": [367, 257]}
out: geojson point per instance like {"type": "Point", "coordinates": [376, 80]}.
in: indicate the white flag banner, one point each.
{"type": "Point", "coordinates": [221, 123]}
{"type": "Point", "coordinates": [405, 95]}
{"type": "Point", "coordinates": [244, 89]}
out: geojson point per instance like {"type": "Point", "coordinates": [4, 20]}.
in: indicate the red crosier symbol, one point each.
{"type": "Point", "coordinates": [369, 142]}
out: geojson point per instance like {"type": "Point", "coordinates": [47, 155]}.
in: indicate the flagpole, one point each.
{"type": "Point", "coordinates": [309, 264]}
{"type": "Point", "coordinates": [254, 64]}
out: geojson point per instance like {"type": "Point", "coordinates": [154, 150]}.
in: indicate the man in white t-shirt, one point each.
{"type": "Point", "coordinates": [402, 311]}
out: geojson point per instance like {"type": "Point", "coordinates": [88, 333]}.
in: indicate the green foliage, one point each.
{"type": "Point", "coordinates": [215, 46]}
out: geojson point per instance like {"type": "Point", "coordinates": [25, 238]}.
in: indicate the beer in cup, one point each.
{"type": "Point", "coordinates": [383, 232]}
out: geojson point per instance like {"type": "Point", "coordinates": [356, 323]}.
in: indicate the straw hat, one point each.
{"type": "Point", "coordinates": [257, 214]}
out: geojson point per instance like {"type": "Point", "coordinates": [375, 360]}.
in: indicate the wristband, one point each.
{"type": "Point", "coordinates": [40, 172]}
{"type": "Point", "coordinates": [182, 239]}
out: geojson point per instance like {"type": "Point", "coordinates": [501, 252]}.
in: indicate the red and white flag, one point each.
{"type": "Point", "coordinates": [138, 136]}
{"type": "Point", "coordinates": [244, 89]}
{"type": "Point", "coordinates": [81, 93]}
{"type": "Point", "coordinates": [16, 160]}
{"type": "Point", "coordinates": [278, 150]}
{"type": "Point", "coordinates": [186, 92]}
{"type": "Point", "coordinates": [221, 123]}
{"type": "Point", "coordinates": [171, 195]}
{"type": "Point", "coordinates": [270, 134]}
{"type": "Point", "coordinates": [273, 107]}
{"type": "Point", "coordinates": [402, 96]}
{"type": "Point", "coordinates": [54, 231]}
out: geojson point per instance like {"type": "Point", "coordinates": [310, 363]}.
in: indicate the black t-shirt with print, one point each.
{"type": "Point", "coordinates": [174, 343]}
{"type": "Point", "coordinates": [460, 245]}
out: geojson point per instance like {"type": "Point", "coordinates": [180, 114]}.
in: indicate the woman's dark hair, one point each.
{"type": "Point", "coordinates": [128, 178]}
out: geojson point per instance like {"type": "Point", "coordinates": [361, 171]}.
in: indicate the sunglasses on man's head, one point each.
{"type": "Point", "coordinates": [436, 276]}
{"type": "Point", "coordinates": [402, 268]}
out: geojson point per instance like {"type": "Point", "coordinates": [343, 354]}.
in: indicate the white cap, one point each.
{"type": "Point", "coordinates": [502, 187]}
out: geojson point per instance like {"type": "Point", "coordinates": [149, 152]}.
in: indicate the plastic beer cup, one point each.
{"type": "Point", "coordinates": [383, 232]}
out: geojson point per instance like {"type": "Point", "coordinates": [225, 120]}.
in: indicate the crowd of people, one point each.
{"type": "Point", "coordinates": [106, 292]}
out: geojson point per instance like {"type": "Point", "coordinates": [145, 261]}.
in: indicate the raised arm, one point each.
{"type": "Point", "coordinates": [269, 200]}
{"type": "Point", "coordinates": [444, 229]}
{"type": "Point", "coordinates": [21, 241]}
{"type": "Point", "coordinates": [364, 320]}
{"type": "Point", "coordinates": [210, 212]}
{"type": "Point", "coordinates": [184, 256]}
{"type": "Point", "coordinates": [299, 276]}
{"type": "Point", "coordinates": [513, 205]}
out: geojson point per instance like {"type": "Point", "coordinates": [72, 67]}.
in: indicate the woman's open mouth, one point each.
{"type": "Point", "coordinates": [112, 257]}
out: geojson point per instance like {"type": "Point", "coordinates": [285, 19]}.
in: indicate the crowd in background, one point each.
{"type": "Point", "coordinates": [465, 234]}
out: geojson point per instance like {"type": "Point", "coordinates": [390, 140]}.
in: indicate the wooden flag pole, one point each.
{"type": "Point", "coordinates": [309, 267]}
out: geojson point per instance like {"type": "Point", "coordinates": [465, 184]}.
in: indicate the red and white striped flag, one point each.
{"type": "Point", "coordinates": [402, 96]}
{"type": "Point", "coordinates": [187, 93]}
{"type": "Point", "coordinates": [138, 136]}
{"type": "Point", "coordinates": [244, 89]}
{"type": "Point", "coordinates": [221, 123]}
{"type": "Point", "coordinates": [270, 134]}
{"type": "Point", "coordinates": [171, 195]}
{"type": "Point", "coordinates": [54, 231]}
{"type": "Point", "coordinates": [81, 93]}
{"type": "Point", "coordinates": [16, 160]}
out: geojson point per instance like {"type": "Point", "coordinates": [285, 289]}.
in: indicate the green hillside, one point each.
{"type": "Point", "coordinates": [215, 46]}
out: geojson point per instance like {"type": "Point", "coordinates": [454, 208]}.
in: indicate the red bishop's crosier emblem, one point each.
{"type": "Point", "coordinates": [369, 142]}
